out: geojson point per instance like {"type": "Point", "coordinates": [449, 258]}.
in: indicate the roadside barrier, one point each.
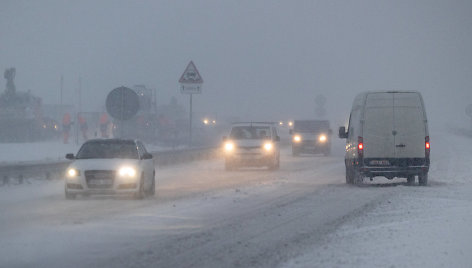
{"type": "Point", "coordinates": [17, 173]}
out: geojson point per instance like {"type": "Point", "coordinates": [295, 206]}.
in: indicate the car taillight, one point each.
{"type": "Point", "coordinates": [426, 146]}
{"type": "Point", "coordinates": [360, 147]}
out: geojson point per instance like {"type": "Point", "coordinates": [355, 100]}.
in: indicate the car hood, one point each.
{"type": "Point", "coordinates": [103, 164]}
{"type": "Point", "coordinates": [250, 143]}
{"type": "Point", "coordinates": [310, 135]}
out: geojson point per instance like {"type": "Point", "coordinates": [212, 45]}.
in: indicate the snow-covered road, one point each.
{"type": "Point", "coordinates": [303, 215]}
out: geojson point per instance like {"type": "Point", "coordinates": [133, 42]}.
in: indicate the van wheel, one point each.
{"type": "Point", "coordinates": [348, 176]}
{"type": "Point", "coordinates": [423, 179]}
{"type": "Point", "coordinates": [410, 179]}
{"type": "Point", "coordinates": [357, 177]}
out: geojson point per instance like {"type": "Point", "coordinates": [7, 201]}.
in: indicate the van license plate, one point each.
{"type": "Point", "coordinates": [380, 163]}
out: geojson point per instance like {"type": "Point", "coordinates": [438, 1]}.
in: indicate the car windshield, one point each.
{"type": "Point", "coordinates": [311, 126]}
{"type": "Point", "coordinates": [250, 132]}
{"type": "Point", "coordinates": [108, 149]}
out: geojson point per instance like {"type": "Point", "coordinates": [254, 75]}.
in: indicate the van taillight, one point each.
{"type": "Point", "coordinates": [360, 146]}
{"type": "Point", "coordinates": [426, 146]}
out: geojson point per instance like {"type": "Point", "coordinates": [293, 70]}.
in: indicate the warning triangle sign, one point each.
{"type": "Point", "coordinates": [191, 75]}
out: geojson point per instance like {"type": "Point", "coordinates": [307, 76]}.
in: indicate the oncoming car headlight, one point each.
{"type": "Point", "coordinates": [127, 172]}
{"type": "Point", "coordinates": [229, 146]}
{"type": "Point", "coordinates": [297, 138]}
{"type": "Point", "coordinates": [72, 173]}
{"type": "Point", "coordinates": [323, 138]}
{"type": "Point", "coordinates": [268, 146]}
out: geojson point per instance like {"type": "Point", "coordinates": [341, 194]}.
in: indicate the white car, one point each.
{"type": "Point", "coordinates": [110, 166]}
{"type": "Point", "coordinates": [252, 144]}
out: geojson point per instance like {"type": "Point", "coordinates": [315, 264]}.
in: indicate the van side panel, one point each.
{"type": "Point", "coordinates": [409, 125]}
{"type": "Point", "coordinates": [378, 126]}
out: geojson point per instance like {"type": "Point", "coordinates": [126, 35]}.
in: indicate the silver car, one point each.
{"type": "Point", "coordinates": [110, 166]}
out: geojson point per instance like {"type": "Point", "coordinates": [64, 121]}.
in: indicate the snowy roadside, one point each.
{"type": "Point", "coordinates": [418, 227]}
{"type": "Point", "coordinates": [421, 227]}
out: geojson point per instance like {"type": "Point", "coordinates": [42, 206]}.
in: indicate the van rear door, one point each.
{"type": "Point", "coordinates": [409, 125]}
{"type": "Point", "coordinates": [377, 132]}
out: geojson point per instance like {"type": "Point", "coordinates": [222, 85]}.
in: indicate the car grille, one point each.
{"type": "Point", "coordinates": [99, 179]}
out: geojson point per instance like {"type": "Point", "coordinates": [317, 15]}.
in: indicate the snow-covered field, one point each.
{"type": "Point", "coordinates": [303, 215]}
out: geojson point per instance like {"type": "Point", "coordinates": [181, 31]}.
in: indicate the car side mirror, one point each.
{"type": "Point", "coordinates": [290, 132]}
{"type": "Point", "coordinates": [147, 156]}
{"type": "Point", "coordinates": [70, 156]}
{"type": "Point", "coordinates": [330, 132]}
{"type": "Point", "coordinates": [225, 138]}
{"type": "Point", "coordinates": [342, 133]}
{"type": "Point", "coordinates": [277, 138]}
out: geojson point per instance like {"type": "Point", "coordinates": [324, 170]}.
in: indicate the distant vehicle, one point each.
{"type": "Point", "coordinates": [110, 166]}
{"type": "Point", "coordinates": [252, 144]}
{"type": "Point", "coordinates": [387, 136]}
{"type": "Point", "coordinates": [311, 136]}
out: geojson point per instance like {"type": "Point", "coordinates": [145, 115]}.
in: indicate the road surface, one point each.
{"type": "Point", "coordinates": [303, 215]}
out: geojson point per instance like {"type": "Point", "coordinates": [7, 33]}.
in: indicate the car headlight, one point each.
{"type": "Point", "coordinates": [297, 138]}
{"type": "Point", "coordinates": [127, 172]}
{"type": "Point", "coordinates": [72, 173]}
{"type": "Point", "coordinates": [268, 146]}
{"type": "Point", "coordinates": [322, 138]}
{"type": "Point", "coordinates": [229, 147]}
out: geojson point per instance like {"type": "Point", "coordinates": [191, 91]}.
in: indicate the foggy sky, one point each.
{"type": "Point", "coordinates": [261, 60]}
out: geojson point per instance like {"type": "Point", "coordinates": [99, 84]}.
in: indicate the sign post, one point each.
{"type": "Point", "coordinates": [191, 83]}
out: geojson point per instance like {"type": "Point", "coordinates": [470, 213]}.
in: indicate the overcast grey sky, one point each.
{"type": "Point", "coordinates": [261, 60]}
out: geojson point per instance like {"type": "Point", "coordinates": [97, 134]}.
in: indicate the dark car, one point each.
{"type": "Point", "coordinates": [311, 136]}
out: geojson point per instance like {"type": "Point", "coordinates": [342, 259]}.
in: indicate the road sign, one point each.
{"type": "Point", "coordinates": [191, 75]}
{"type": "Point", "coordinates": [122, 103]}
{"type": "Point", "coordinates": [468, 110]}
{"type": "Point", "coordinates": [191, 89]}
{"type": "Point", "coordinates": [191, 81]}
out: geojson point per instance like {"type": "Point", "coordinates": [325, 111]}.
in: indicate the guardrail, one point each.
{"type": "Point", "coordinates": [18, 173]}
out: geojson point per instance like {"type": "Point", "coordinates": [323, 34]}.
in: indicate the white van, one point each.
{"type": "Point", "coordinates": [387, 136]}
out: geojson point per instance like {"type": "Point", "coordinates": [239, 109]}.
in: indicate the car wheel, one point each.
{"type": "Point", "coordinates": [410, 179]}
{"type": "Point", "coordinates": [423, 179]}
{"type": "Point", "coordinates": [229, 166]}
{"type": "Point", "coordinates": [152, 189]}
{"type": "Point", "coordinates": [327, 152]}
{"type": "Point", "coordinates": [69, 196]}
{"type": "Point", "coordinates": [140, 193]}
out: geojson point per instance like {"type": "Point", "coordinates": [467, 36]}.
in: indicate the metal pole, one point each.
{"type": "Point", "coordinates": [79, 97]}
{"type": "Point", "coordinates": [190, 125]}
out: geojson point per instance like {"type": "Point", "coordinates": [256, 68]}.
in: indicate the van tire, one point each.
{"type": "Point", "coordinates": [423, 179]}
{"type": "Point", "coordinates": [357, 177]}
{"type": "Point", "coordinates": [348, 176]}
